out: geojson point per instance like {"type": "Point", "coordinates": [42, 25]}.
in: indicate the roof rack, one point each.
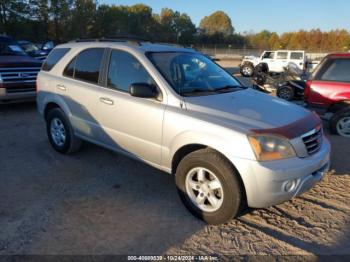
{"type": "Point", "coordinates": [126, 39]}
{"type": "Point", "coordinates": [129, 39]}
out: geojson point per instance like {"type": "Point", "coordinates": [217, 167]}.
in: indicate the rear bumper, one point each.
{"type": "Point", "coordinates": [8, 94]}
{"type": "Point", "coordinates": [265, 182]}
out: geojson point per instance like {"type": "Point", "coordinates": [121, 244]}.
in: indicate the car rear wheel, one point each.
{"type": "Point", "coordinates": [286, 92]}
{"type": "Point", "coordinates": [247, 70]}
{"type": "Point", "coordinates": [340, 123]}
{"type": "Point", "coordinates": [209, 187]}
{"type": "Point", "coordinates": [60, 132]}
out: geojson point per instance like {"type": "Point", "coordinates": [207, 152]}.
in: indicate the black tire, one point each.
{"type": "Point", "coordinates": [228, 177]}
{"type": "Point", "coordinates": [71, 143]}
{"type": "Point", "coordinates": [247, 70]}
{"type": "Point", "coordinates": [286, 92]}
{"type": "Point", "coordinates": [337, 117]}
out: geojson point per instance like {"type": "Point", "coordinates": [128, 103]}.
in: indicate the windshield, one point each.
{"type": "Point", "coordinates": [29, 47]}
{"type": "Point", "coordinates": [193, 74]}
{"type": "Point", "coordinates": [10, 48]}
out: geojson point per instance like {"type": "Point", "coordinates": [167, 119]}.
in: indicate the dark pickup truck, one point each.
{"type": "Point", "coordinates": [18, 72]}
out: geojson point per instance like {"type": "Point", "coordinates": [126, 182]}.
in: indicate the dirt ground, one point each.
{"type": "Point", "coordinates": [98, 202]}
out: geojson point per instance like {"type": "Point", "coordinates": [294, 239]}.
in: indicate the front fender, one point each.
{"type": "Point", "coordinates": [234, 148]}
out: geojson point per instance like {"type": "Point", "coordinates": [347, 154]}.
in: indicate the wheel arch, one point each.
{"type": "Point", "coordinates": [183, 151]}
{"type": "Point", "coordinates": [338, 106]}
{"type": "Point", "coordinates": [49, 107]}
{"type": "Point", "coordinates": [50, 102]}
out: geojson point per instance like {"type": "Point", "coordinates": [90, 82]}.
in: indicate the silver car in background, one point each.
{"type": "Point", "coordinates": [175, 109]}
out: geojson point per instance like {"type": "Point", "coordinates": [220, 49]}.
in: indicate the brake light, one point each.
{"type": "Point", "coordinates": [307, 90]}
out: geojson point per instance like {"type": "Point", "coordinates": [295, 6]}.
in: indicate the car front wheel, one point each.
{"type": "Point", "coordinates": [209, 187]}
{"type": "Point", "coordinates": [247, 70]}
{"type": "Point", "coordinates": [340, 123]}
{"type": "Point", "coordinates": [60, 132]}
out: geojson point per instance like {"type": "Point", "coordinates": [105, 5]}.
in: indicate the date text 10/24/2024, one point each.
{"type": "Point", "coordinates": [173, 258]}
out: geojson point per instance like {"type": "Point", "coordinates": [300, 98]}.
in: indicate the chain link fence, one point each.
{"type": "Point", "coordinates": [228, 53]}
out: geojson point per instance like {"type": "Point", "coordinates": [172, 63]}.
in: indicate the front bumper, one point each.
{"type": "Point", "coordinates": [265, 182]}
{"type": "Point", "coordinates": [18, 95]}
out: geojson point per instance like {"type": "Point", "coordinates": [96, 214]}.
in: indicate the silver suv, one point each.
{"type": "Point", "coordinates": [175, 109]}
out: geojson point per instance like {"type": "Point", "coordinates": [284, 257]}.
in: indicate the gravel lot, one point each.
{"type": "Point", "coordinates": [99, 202]}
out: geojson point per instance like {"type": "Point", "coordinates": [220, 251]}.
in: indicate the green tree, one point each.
{"type": "Point", "coordinates": [141, 21]}
{"type": "Point", "coordinates": [60, 12]}
{"type": "Point", "coordinates": [176, 27]}
{"type": "Point", "coordinates": [83, 19]}
{"type": "Point", "coordinates": [111, 21]}
{"type": "Point", "coordinates": [217, 23]}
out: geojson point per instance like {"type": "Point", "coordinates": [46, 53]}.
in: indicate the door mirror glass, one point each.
{"type": "Point", "coordinates": [143, 90]}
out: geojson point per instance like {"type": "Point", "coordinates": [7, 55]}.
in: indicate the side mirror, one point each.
{"type": "Point", "coordinates": [48, 45]}
{"type": "Point", "coordinates": [143, 90]}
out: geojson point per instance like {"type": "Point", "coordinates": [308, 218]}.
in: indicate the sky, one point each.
{"type": "Point", "coordinates": [256, 15]}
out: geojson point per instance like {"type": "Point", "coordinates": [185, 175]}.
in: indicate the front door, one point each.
{"type": "Point", "coordinates": [269, 58]}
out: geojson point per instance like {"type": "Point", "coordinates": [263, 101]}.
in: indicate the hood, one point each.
{"type": "Point", "coordinates": [18, 61]}
{"type": "Point", "coordinates": [251, 58]}
{"type": "Point", "coordinates": [249, 110]}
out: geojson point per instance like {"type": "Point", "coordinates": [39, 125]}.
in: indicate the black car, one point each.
{"type": "Point", "coordinates": [33, 50]}
{"type": "Point", "coordinates": [18, 71]}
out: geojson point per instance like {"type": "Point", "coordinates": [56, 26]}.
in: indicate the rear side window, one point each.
{"type": "Point", "coordinates": [296, 55]}
{"type": "Point", "coordinates": [88, 64]}
{"type": "Point", "coordinates": [53, 58]}
{"type": "Point", "coordinates": [282, 55]}
{"type": "Point", "coordinates": [337, 70]}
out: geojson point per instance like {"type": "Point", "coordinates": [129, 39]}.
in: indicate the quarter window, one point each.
{"type": "Point", "coordinates": [296, 55]}
{"type": "Point", "coordinates": [124, 70]}
{"type": "Point", "coordinates": [53, 58]}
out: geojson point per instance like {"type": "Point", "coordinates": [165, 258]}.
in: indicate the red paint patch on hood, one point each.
{"type": "Point", "coordinates": [295, 129]}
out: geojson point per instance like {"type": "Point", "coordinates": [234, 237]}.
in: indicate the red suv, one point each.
{"type": "Point", "coordinates": [328, 92]}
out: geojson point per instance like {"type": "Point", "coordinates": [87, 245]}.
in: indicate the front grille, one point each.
{"type": "Point", "coordinates": [19, 75]}
{"type": "Point", "coordinates": [19, 90]}
{"type": "Point", "coordinates": [313, 140]}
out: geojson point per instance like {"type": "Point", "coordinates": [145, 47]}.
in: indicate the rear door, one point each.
{"type": "Point", "coordinates": [128, 123]}
{"type": "Point", "coordinates": [79, 87]}
{"type": "Point", "coordinates": [298, 58]}
{"type": "Point", "coordinates": [330, 83]}
{"type": "Point", "coordinates": [281, 61]}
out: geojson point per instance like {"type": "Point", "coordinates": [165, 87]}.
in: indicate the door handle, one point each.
{"type": "Point", "coordinates": [106, 100]}
{"type": "Point", "coordinates": [61, 87]}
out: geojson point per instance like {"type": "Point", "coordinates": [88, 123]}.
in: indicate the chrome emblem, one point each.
{"type": "Point", "coordinates": [23, 75]}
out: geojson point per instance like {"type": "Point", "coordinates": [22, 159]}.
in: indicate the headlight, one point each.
{"type": "Point", "coordinates": [270, 147]}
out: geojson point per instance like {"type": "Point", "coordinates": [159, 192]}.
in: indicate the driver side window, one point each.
{"type": "Point", "coordinates": [269, 55]}
{"type": "Point", "coordinates": [124, 70]}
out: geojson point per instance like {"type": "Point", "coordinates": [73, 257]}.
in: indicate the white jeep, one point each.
{"type": "Point", "coordinates": [276, 61]}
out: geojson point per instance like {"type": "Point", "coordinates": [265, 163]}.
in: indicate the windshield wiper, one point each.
{"type": "Point", "coordinates": [197, 90]}
{"type": "Point", "coordinates": [227, 88]}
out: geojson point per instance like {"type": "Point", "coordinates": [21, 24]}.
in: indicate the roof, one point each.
{"type": "Point", "coordinates": [139, 45]}
{"type": "Point", "coordinates": [340, 55]}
